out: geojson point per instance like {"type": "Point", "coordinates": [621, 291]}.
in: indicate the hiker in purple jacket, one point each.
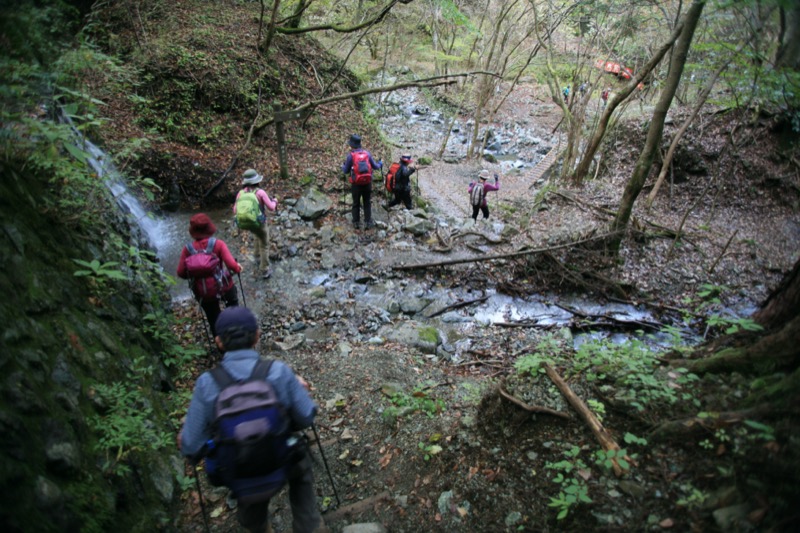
{"type": "Point", "coordinates": [483, 206]}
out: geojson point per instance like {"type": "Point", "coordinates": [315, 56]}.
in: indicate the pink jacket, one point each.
{"type": "Point", "coordinates": [263, 199]}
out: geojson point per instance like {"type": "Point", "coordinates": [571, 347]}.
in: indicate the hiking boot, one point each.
{"type": "Point", "coordinates": [370, 225]}
{"type": "Point", "coordinates": [267, 273]}
{"type": "Point", "coordinates": [356, 225]}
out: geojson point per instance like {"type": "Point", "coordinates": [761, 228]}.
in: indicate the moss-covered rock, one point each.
{"type": "Point", "coordinates": [65, 465]}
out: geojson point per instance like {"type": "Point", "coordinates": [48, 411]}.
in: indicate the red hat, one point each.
{"type": "Point", "coordinates": [201, 227]}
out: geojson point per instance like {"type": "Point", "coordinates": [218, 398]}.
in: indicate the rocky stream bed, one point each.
{"type": "Point", "coordinates": [406, 363]}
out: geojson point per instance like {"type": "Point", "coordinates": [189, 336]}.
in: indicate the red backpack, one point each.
{"type": "Point", "coordinates": [207, 278]}
{"type": "Point", "coordinates": [362, 170]}
{"type": "Point", "coordinates": [389, 181]}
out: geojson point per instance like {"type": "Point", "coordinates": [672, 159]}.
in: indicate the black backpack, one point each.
{"type": "Point", "coordinates": [248, 451]}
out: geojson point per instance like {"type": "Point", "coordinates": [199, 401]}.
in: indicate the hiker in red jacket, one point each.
{"type": "Point", "coordinates": [210, 291]}
{"type": "Point", "coordinates": [359, 166]}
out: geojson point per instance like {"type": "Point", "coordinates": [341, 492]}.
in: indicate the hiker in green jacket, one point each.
{"type": "Point", "coordinates": [250, 210]}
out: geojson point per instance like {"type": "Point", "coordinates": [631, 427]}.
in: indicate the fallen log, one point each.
{"type": "Point", "coordinates": [458, 305]}
{"type": "Point", "coordinates": [618, 321]}
{"type": "Point", "coordinates": [600, 433]}
{"type": "Point", "coordinates": [502, 256]}
{"type": "Point", "coordinates": [530, 408]}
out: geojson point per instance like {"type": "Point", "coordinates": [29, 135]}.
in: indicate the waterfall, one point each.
{"type": "Point", "coordinates": [165, 235]}
{"type": "Point", "coordinates": [151, 226]}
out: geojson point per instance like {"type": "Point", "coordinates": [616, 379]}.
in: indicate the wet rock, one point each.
{"type": "Point", "coordinates": [313, 205]}
{"type": "Point", "coordinates": [163, 477]}
{"type": "Point", "coordinates": [290, 343]}
{"type": "Point", "coordinates": [632, 489]}
{"type": "Point", "coordinates": [513, 518]}
{"type": "Point", "coordinates": [412, 306]}
{"type": "Point", "coordinates": [444, 503]}
{"type": "Point", "coordinates": [722, 497]}
{"type": "Point", "coordinates": [418, 226]}
{"type": "Point", "coordinates": [47, 493]}
{"type": "Point", "coordinates": [733, 518]}
{"type": "Point", "coordinates": [62, 457]}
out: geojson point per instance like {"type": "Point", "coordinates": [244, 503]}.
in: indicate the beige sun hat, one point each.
{"type": "Point", "coordinates": [251, 177]}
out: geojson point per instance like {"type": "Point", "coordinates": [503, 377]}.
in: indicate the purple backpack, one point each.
{"type": "Point", "coordinates": [248, 452]}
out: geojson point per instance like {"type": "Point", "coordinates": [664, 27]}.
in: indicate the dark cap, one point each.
{"type": "Point", "coordinates": [240, 317]}
{"type": "Point", "coordinates": [354, 141]}
{"type": "Point", "coordinates": [201, 226]}
{"type": "Point", "coordinates": [405, 158]}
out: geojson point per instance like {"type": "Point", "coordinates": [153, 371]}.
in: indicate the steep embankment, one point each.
{"type": "Point", "coordinates": [190, 104]}
{"type": "Point", "coordinates": [84, 399]}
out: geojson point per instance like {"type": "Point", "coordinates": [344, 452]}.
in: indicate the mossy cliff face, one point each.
{"type": "Point", "coordinates": [76, 357]}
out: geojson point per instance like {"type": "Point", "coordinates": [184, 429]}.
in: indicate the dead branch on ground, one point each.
{"type": "Point", "coordinates": [600, 433]}
{"type": "Point", "coordinates": [458, 305]}
{"type": "Point", "coordinates": [530, 408]}
{"type": "Point", "coordinates": [502, 256]}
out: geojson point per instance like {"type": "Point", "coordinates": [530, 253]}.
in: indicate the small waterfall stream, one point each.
{"type": "Point", "coordinates": [164, 234]}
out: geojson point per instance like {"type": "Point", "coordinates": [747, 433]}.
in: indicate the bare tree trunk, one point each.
{"type": "Point", "coordinates": [679, 135]}
{"type": "Point", "coordinates": [645, 161]}
{"type": "Point", "coordinates": [788, 54]}
{"type": "Point", "coordinates": [783, 303]}
{"type": "Point", "coordinates": [582, 168]}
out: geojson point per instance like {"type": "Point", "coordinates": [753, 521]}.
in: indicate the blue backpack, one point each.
{"type": "Point", "coordinates": [248, 451]}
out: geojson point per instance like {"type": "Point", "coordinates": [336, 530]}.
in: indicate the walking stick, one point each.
{"type": "Point", "coordinates": [325, 462]}
{"type": "Point", "coordinates": [206, 327]}
{"type": "Point", "coordinates": [241, 288]}
{"type": "Point", "coordinates": [200, 497]}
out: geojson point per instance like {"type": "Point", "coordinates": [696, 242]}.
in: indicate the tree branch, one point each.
{"type": "Point", "coordinates": [425, 82]}
{"type": "Point", "coordinates": [343, 29]}
{"type": "Point", "coordinates": [500, 256]}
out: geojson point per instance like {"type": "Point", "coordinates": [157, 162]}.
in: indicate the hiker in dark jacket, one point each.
{"type": "Point", "coordinates": [402, 183]}
{"type": "Point", "coordinates": [483, 207]}
{"type": "Point", "coordinates": [362, 193]}
{"type": "Point", "coordinates": [201, 228]}
{"type": "Point", "coordinates": [237, 336]}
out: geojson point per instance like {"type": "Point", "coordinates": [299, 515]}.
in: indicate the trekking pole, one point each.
{"type": "Point", "coordinates": [206, 326]}
{"type": "Point", "coordinates": [325, 462]}
{"type": "Point", "coordinates": [241, 288]}
{"type": "Point", "coordinates": [200, 497]}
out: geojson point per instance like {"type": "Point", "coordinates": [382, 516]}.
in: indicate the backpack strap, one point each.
{"type": "Point", "coordinates": [190, 248]}
{"type": "Point", "coordinates": [224, 379]}
{"type": "Point", "coordinates": [210, 246]}
{"type": "Point", "coordinates": [261, 370]}
{"type": "Point", "coordinates": [221, 376]}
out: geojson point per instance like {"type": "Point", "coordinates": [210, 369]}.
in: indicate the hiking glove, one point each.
{"type": "Point", "coordinates": [496, 178]}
